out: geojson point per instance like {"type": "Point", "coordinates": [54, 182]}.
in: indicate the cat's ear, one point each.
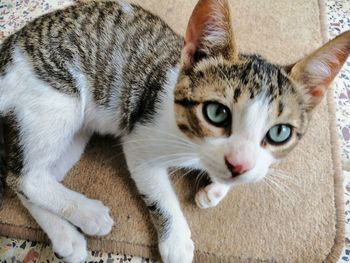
{"type": "Point", "coordinates": [317, 71]}
{"type": "Point", "coordinates": [209, 33]}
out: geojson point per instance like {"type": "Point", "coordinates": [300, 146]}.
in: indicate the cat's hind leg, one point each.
{"type": "Point", "coordinates": [66, 240]}
{"type": "Point", "coordinates": [40, 185]}
{"type": "Point", "coordinates": [44, 135]}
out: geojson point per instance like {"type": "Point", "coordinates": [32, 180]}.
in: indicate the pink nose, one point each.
{"type": "Point", "coordinates": [236, 168]}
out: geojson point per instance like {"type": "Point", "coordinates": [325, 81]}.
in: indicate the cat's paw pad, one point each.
{"type": "Point", "coordinates": [211, 195]}
{"type": "Point", "coordinates": [93, 218]}
{"type": "Point", "coordinates": [69, 245]}
{"type": "Point", "coordinates": [177, 248]}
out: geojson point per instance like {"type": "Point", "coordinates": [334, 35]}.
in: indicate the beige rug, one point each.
{"type": "Point", "coordinates": [302, 222]}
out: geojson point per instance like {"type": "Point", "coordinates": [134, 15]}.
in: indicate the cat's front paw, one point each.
{"type": "Point", "coordinates": [211, 195]}
{"type": "Point", "coordinates": [69, 245]}
{"type": "Point", "coordinates": [92, 217]}
{"type": "Point", "coordinates": [178, 247]}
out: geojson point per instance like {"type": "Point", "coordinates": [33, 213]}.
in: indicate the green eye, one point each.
{"type": "Point", "coordinates": [279, 134]}
{"type": "Point", "coordinates": [216, 114]}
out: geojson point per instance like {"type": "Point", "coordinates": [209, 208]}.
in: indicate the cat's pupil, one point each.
{"type": "Point", "coordinates": [219, 111]}
{"type": "Point", "coordinates": [279, 129]}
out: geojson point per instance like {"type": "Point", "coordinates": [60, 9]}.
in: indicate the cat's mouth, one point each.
{"type": "Point", "coordinates": [233, 178]}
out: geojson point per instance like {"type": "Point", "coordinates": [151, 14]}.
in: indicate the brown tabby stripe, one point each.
{"type": "Point", "coordinates": [187, 102]}
{"type": "Point", "coordinates": [13, 153]}
{"type": "Point", "coordinates": [6, 50]}
{"type": "Point", "coordinates": [280, 108]}
{"type": "Point", "coordinates": [108, 45]}
{"type": "Point", "coordinates": [2, 158]}
{"type": "Point", "coordinates": [253, 74]}
{"type": "Point", "coordinates": [184, 128]}
{"type": "Point", "coordinates": [144, 73]}
{"type": "Point", "coordinates": [160, 219]}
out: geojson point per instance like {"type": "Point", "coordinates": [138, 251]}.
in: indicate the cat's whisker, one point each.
{"type": "Point", "coordinates": [199, 178]}
{"type": "Point", "coordinates": [174, 170]}
{"type": "Point", "coordinates": [173, 144]}
{"type": "Point", "coordinates": [286, 178]}
{"type": "Point", "coordinates": [278, 171]}
{"type": "Point", "coordinates": [161, 162]}
{"type": "Point", "coordinates": [212, 162]}
{"type": "Point", "coordinates": [181, 166]}
{"type": "Point", "coordinates": [282, 174]}
{"type": "Point", "coordinates": [117, 155]}
{"type": "Point", "coordinates": [171, 149]}
{"type": "Point", "coordinates": [171, 141]}
{"type": "Point", "coordinates": [278, 188]}
{"type": "Point", "coordinates": [183, 175]}
{"type": "Point", "coordinates": [280, 185]}
{"type": "Point", "coordinates": [285, 189]}
{"type": "Point", "coordinates": [171, 135]}
{"type": "Point", "coordinates": [268, 183]}
{"type": "Point", "coordinates": [186, 158]}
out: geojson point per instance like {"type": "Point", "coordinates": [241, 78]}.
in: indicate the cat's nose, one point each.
{"type": "Point", "coordinates": [237, 168]}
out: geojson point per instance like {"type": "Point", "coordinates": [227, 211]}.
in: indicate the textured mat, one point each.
{"type": "Point", "coordinates": [254, 223]}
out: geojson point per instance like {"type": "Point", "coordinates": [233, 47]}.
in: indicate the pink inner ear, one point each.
{"type": "Point", "coordinates": [335, 67]}
{"type": "Point", "coordinates": [195, 31]}
{"type": "Point", "coordinates": [318, 70]}
{"type": "Point", "coordinates": [317, 92]}
{"type": "Point", "coordinates": [334, 56]}
{"type": "Point", "coordinates": [196, 26]}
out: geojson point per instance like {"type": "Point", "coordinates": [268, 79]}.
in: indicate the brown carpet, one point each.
{"type": "Point", "coordinates": [254, 223]}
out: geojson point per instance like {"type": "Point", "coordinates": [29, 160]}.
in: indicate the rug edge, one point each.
{"type": "Point", "coordinates": [21, 232]}
{"type": "Point", "coordinates": [338, 245]}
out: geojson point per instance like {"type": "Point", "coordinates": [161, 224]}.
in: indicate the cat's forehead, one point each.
{"type": "Point", "coordinates": [250, 74]}
{"type": "Point", "coordinates": [238, 83]}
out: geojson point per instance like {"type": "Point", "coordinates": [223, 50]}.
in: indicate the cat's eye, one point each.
{"type": "Point", "coordinates": [216, 114]}
{"type": "Point", "coordinates": [279, 134]}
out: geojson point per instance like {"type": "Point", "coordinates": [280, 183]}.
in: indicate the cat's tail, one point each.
{"type": "Point", "coordinates": [2, 158]}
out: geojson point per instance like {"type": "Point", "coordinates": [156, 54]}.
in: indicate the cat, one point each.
{"type": "Point", "coordinates": [193, 101]}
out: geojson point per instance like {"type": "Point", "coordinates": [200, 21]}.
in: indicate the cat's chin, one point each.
{"type": "Point", "coordinates": [239, 180]}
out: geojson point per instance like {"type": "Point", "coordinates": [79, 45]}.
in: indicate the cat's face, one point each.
{"type": "Point", "coordinates": [245, 115]}
{"type": "Point", "coordinates": [244, 112]}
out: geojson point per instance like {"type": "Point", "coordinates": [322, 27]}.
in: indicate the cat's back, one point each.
{"type": "Point", "coordinates": [116, 53]}
{"type": "Point", "coordinates": [94, 36]}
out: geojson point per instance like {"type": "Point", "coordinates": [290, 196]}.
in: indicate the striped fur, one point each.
{"type": "Point", "coordinates": [93, 39]}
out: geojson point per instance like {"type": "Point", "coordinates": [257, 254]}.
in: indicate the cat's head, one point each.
{"type": "Point", "coordinates": [244, 112]}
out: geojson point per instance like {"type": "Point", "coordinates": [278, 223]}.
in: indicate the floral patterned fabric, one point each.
{"type": "Point", "coordinates": [338, 12]}
{"type": "Point", "coordinates": [16, 13]}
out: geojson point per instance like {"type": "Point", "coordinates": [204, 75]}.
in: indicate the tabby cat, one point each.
{"type": "Point", "coordinates": [114, 68]}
